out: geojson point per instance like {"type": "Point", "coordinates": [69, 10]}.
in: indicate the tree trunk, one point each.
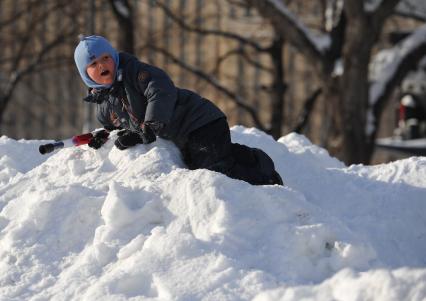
{"type": "Point", "coordinates": [362, 31]}
{"type": "Point", "coordinates": [331, 125]}
{"type": "Point", "coordinates": [3, 105]}
{"type": "Point", "coordinates": [354, 91]}
{"type": "Point", "coordinates": [278, 88]}
{"type": "Point", "coordinates": [123, 13]}
{"type": "Point", "coordinates": [355, 101]}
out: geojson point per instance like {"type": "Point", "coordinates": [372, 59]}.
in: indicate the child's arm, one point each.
{"type": "Point", "coordinates": [160, 93]}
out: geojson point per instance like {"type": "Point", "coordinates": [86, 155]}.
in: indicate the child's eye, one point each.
{"type": "Point", "coordinates": [106, 58]}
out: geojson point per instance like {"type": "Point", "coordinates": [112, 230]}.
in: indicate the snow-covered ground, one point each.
{"type": "Point", "coordinates": [82, 224]}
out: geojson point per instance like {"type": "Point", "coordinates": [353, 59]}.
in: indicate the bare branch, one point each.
{"type": "Point", "coordinates": [239, 3]}
{"type": "Point", "coordinates": [337, 38]}
{"type": "Point", "coordinates": [240, 51]}
{"type": "Point", "coordinates": [304, 116]}
{"type": "Point", "coordinates": [19, 74]}
{"type": "Point", "coordinates": [354, 8]}
{"type": "Point", "coordinates": [411, 15]}
{"type": "Point", "coordinates": [29, 9]}
{"type": "Point", "coordinates": [384, 10]}
{"type": "Point", "coordinates": [220, 33]}
{"type": "Point", "coordinates": [215, 83]}
{"type": "Point", "coordinates": [292, 29]}
{"type": "Point", "coordinates": [18, 15]}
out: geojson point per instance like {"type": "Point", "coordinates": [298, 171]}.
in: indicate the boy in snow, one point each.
{"type": "Point", "coordinates": [142, 100]}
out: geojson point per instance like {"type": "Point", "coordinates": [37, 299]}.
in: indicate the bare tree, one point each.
{"type": "Point", "coordinates": [351, 41]}
{"type": "Point", "coordinates": [26, 57]}
{"type": "Point", "coordinates": [246, 49]}
{"type": "Point", "coordinates": [123, 12]}
{"type": "Point", "coordinates": [402, 58]}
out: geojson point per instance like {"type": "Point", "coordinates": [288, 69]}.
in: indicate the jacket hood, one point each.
{"type": "Point", "coordinates": [89, 49]}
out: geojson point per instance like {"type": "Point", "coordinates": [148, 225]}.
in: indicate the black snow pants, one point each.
{"type": "Point", "coordinates": [210, 147]}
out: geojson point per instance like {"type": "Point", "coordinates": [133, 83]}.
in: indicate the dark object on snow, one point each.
{"type": "Point", "coordinates": [99, 139]}
{"type": "Point", "coordinates": [210, 147]}
{"type": "Point", "coordinates": [127, 139]}
{"type": "Point", "coordinates": [74, 141]}
{"type": "Point", "coordinates": [50, 147]}
{"type": "Point", "coordinates": [147, 135]}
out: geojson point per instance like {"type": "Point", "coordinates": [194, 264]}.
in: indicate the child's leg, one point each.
{"type": "Point", "coordinates": [210, 147]}
{"type": "Point", "coordinates": [256, 164]}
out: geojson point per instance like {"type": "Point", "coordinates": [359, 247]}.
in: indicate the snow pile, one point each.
{"type": "Point", "coordinates": [136, 225]}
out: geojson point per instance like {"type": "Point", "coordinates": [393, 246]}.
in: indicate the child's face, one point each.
{"type": "Point", "coordinates": [101, 70]}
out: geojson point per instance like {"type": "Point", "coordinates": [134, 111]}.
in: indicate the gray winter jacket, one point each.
{"type": "Point", "coordinates": [144, 93]}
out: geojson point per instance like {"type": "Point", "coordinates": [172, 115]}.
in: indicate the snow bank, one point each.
{"type": "Point", "coordinates": [137, 225]}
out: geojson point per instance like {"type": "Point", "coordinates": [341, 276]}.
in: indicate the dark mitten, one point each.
{"type": "Point", "coordinates": [147, 135]}
{"type": "Point", "coordinates": [99, 139]}
{"type": "Point", "coordinates": [127, 139]}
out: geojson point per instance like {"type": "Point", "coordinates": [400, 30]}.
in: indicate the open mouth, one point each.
{"type": "Point", "coordinates": [104, 73]}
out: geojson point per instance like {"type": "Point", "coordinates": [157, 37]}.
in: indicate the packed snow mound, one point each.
{"type": "Point", "coordinates": [81, 224]}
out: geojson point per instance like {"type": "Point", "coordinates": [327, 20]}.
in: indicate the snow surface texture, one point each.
{"type": "Point", "coordinates": [82, 224]}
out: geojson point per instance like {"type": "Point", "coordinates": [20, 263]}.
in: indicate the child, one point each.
{"type": "Point", "coordinates": [142, 100]}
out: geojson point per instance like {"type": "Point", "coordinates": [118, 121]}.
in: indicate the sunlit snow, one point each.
{"type": "Point", "coordinates": [81, 224]}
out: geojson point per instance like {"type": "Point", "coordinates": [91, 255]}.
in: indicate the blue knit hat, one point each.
{"type": "Point", "coordinates": [89, 49]}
